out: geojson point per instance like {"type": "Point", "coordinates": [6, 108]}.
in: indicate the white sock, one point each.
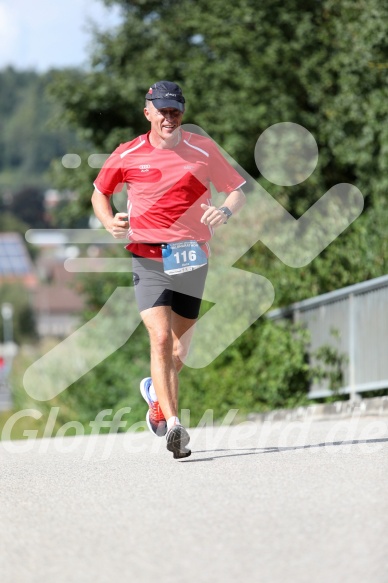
{"type": "Point", "coordinates": [152, 392]}
{"type": "Point", "coordinates": [172, 421]}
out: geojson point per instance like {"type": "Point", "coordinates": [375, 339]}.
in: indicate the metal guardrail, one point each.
{"type": "Point", "coordinates": [359, 313]}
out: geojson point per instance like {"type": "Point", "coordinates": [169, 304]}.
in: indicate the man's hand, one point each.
{"type": "Point", "coordinates": [118, 226]}
{"type": "Point", "coordinates": [212, 216]}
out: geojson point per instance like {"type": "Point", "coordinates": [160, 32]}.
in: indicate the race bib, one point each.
{"type": "Point", "coordinates": [182, 256]}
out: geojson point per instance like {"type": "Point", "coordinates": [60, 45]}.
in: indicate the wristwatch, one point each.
{"type": "Point", "coordinates": [227, 212]}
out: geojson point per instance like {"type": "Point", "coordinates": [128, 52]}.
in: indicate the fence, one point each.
{"type": "Point", "coordinates": [358, 315]}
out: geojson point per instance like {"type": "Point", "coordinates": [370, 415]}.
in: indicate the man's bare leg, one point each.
{"type": "Point", "coordinates": [182, 333]}
{"type": "Point", "coordinates": [170, 336]}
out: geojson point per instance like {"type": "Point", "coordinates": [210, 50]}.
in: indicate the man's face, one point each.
{"type": "Point", "coordinates": [165, 121]}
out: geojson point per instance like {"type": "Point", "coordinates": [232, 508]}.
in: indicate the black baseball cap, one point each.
{"type": "Point", "coordinates": [166, 94]}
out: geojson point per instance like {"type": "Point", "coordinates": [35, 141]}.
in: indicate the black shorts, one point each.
{"type": "Point", "coordinates": [183, 291]}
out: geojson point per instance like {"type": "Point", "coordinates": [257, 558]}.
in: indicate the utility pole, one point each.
{"type": "Point", "coordinates": [8, 353]}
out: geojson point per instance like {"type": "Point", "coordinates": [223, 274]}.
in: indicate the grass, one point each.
{"type": "Point", "coordinates": [19, 426]}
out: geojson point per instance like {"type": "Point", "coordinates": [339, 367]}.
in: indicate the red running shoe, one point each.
{"type": "Point", "coordinates": [156, 421]}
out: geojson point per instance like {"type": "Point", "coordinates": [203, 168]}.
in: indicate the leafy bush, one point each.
{"type": "Point", "coordinates": [265, 368]}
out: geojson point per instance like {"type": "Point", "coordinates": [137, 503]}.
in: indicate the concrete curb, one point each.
{"type": "Point", "coordinates": [376, 406]}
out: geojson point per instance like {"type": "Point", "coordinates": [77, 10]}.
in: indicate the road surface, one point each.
{"type": "Point", "coordinates": [280, 502]}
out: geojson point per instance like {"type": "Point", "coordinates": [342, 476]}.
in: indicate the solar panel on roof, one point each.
{"type": "Point", "coordinates": [14, 258]}
{"type": "Point", "coordinates": [13, 248]}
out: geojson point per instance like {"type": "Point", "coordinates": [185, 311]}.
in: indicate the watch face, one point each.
{"type": "Point", "coordinates": [226, 211]}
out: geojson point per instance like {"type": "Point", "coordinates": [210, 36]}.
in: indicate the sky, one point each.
{"type": "Point", "coordinates": [41, 34]}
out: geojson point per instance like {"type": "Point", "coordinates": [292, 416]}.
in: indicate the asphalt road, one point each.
{"type": "Point", "coordinates": [273, 502]}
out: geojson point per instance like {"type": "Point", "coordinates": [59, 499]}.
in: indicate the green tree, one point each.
{"type": "Point", "coordinates": [244, 67]}
{"type": "Point", "coordinates": [29, 140]}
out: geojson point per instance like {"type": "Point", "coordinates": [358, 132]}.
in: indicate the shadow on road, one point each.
{"type": "Point", "coordinates": [262, 450]}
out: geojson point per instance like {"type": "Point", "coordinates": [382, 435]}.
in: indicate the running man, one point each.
{"type": "Point", "coordinates": [169, 223]}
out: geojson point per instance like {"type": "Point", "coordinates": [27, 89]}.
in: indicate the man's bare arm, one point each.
{"type": "Point", "coordinates": [214, 217]}
{"type": "Point", "coordinates": [116, 224]}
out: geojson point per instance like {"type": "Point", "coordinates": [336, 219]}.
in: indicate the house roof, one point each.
{"type": "Point", "coordinates": [55, 298]}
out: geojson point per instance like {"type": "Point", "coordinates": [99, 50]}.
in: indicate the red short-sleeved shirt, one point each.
{"type": "Point", "coordinates": [166, 188]}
